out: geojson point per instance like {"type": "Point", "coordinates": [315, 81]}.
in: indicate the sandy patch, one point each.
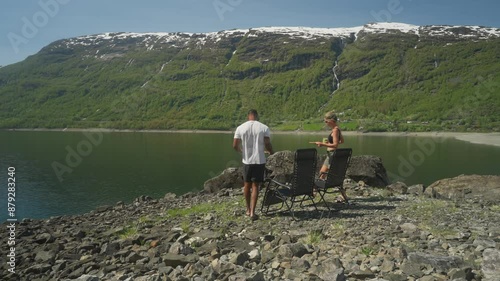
{"type": "Point", "coordinates": [490, 138]}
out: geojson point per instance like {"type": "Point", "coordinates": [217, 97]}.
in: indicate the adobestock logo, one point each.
{"type": "Point", "coordinates": [394, 7]}
{"type": "Point", "coordinates": [74, 157]}
{"type": "Point", "coordinates": [32, 25]}
{"type": "Point", "coordinates": [223, 6]}
{"type": "Point", "coordinates": [407, 164]}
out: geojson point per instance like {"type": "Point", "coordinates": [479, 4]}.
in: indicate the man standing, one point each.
{"type": "Point", "coordinates": [252, 139]}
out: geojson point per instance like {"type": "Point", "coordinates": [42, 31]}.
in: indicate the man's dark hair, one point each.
{"type": "Point", "coordinates": [254, 113]}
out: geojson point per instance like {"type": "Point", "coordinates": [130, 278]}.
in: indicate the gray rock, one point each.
{"type": "Point", "coordinates": [267, 256]}
{"type": "Point", "coordinates": [442, 264]}
{"type": "Point", "coordinates": [79, 234]}
{"type": "Point", "coordinates": [230, 178]}
{"type": "Point", "coordinates": [281, 165]}
{"type": "Point", "coordinates": [44, 238]}
{"type": "Point", "coordinates": [154, 277]}
{"type": "Point", "coordinates": [300, 264]}
{"type": "Point", "coordinates": [430, 278]}
{"type": "Point", "coordinates": [238, 258]}
{"type": "Point", "coordinates": [77, 272]}
{"type": "Point", "coordinates": [175, 260]}
{"type": "Point", "coordinates": [221, 267]}
{"type": "Point", "coordinates": [133, 258]}
{"type": "Point", "coordinates": [180, 249]}
{"type": "Point", "coordinates": [394, 277]}
{"type": "Point", "coordinates": [236, 245]}
{"type": "Point", "coordinates": [169, 196]}
{"type": "Point", "coordinates": [207, 248]}
{"type": "Point", "coordinates": [143, 199]}
{"type": "Point", "coordinates": [329, 269]}
{"type": "Point", "coordinates": [207, 234]}
{"type": "Point", "coordinates": [292, 250]}
{"type": "Point", "coordinates": [417, 189]}
{"type": "Point", "coordinates": [486, 243]}
{"type": "Point", "coordinates": [412, 269]}
{"type": "Point", "coordinates": [102, 209]}
{"type": "Point", "coordinates": [369, 169]}
{"type": "Point", "coordinates": [254, 255]}
{"type": "Point", "coordinates": [362, 274]}
{"type": "Point", "coordinates": [491, 264]}
{"type": "Point", "coordinates": [165, 270]}
{"type": "Point", "coordinates": [387, 265]}
{"type": "Point", "coordinates": [110, 248]}
{"type": "Point", "coordinates": [87, 278]}
{"type": "Point", "coordinates": [45, 257]}
{"type": "Point", "coordinates": [461, 273]}
{"type": "Point", "coordinates": [247, 276]}
{"type": "Point", "coordinates": [298, 249]}
{"type": "Point", "coordinates": [409, 227]}
{"type": "Point", "coordinates": [39, 268]}
{"type": "Point", "coordinates": [485, 188]}
{"type": "Point", "coordinates": [398, 188]}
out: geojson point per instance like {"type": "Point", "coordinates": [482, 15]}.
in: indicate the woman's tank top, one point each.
{"type": "Point", "coordinates": [330, 138]}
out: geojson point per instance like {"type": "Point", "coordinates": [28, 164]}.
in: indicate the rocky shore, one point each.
{"type": "Point", "coordinates": [394, 233]}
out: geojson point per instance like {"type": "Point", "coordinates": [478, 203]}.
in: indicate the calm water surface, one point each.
{"type": "Point", "coordinates": [59, 173]}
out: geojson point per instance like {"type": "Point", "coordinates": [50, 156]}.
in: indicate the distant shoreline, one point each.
{"type": "Point", "coordinates": [476, 138]}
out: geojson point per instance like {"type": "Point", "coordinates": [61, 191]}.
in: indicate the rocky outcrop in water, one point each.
{"type": "Point", "coordinates": [369, 169]}
{"type": "Point", "coordinates": [366, 168]}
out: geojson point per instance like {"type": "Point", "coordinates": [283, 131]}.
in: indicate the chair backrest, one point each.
{"type": "Point", "coordinates": [304, 171]}
{"type": "Point", "coordinates": [339, 161]}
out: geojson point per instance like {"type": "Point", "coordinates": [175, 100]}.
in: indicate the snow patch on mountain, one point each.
{"type": "Point", "coordinates": [178, 39]}
{"type": "Point", "coordinates": [385, 27]}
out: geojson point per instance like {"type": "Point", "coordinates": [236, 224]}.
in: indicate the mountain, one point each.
{"type": "Point", "coordinates": [379, 77]}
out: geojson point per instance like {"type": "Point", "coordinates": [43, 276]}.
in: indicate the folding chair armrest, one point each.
{"type": "Point", "coordinates": [280, 184]}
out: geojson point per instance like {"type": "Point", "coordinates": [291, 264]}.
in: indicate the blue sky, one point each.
{"type": "Point", "coordinates": [28, 25]}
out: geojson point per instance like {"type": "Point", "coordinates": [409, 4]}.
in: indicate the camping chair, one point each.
{"type": "Point", "coordinates": [339, 161]}
{"type": "Point", "coordinates": [299, 190]}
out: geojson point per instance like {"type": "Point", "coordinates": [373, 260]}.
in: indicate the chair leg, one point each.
{"type": "Point", "coordinates": [310, 198]}
{"type": "Point", "coordinates": [264, 198]}
{"type": "Point", "coordinates": [268, 207]}
{"type": "Point", "coordinates": [322, 199]}
{"type": "Point", "coordinates": [270, 192]}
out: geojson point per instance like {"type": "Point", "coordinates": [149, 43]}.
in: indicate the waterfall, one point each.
{"type": "Point", "coordinates": [335, 84]}
{"type": "Point", "coordinates": [336, 81]}
{"type": "Point", "coordinates": [157, 73]}
{"type": "Point", "coordinates": [338, 49]}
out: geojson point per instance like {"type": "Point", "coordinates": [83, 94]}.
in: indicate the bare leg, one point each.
{"type": "Point", "coordinates": [323, 171]}
{"type": "Point", "coordinates": [255, 196]}
{"type": "Point", "coordinates": [246, 193]}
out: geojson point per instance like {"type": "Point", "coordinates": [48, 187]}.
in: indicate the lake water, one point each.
{"type": "Point", "coordinates": [61, 173]}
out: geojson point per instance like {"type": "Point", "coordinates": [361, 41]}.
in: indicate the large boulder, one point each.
{"type": "Point", "coordinates": [366, 168]}
{"type": "Point", "coordinates": [369, 169]}
{"type": "Point", "coordinates": [230, 178]}
{"type": "Point", "coordinates": [281, 165]}
{"type": "Point", "coordinates": [480, 187]}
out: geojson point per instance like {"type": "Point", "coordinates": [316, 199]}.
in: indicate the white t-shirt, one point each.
{"type": "Point", "coordinates": [252, 135]}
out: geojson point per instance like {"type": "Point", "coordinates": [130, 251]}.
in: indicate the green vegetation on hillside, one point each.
{"type": "Point", "coordinates": [388, 82]}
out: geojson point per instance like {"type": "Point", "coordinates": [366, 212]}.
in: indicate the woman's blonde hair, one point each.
{"type": "Point", "coordinates": [331, 115]}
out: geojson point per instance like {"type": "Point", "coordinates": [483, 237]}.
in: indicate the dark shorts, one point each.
{"type": "Point", "coordinates": [253, 172]}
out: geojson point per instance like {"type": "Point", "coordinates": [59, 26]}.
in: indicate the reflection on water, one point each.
{"type": "Point", "coordinates": [123, 166]}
